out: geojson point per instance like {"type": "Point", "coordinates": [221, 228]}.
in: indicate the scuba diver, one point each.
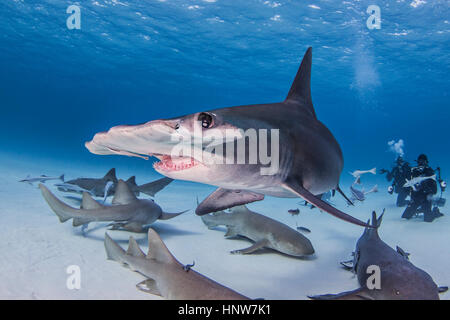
{"type": "Point", "coordinates": [399, 174]}
{"type": "Point", "coordinates": [423, 187]}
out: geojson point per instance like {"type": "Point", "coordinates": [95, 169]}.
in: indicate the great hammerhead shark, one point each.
{"type": "Point", "coordinates": [309, 158]}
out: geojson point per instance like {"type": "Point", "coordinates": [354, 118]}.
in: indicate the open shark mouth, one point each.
{"type": "Point", "coordinates": [168, 163]}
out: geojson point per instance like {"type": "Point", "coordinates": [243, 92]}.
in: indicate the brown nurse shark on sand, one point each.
{"type": "Point", "coordinates": [165, 276]}
{"type": "Point", "coordinates": [127, 212]}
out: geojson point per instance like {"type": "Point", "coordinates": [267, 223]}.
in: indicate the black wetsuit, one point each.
{"type": "Point", "coordinates": [421, 197]}
{"type": "Point", "coordinates": [399, 174]}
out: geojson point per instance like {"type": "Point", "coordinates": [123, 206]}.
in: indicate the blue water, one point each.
{"type": "Point", "coordinates": [134, 61]}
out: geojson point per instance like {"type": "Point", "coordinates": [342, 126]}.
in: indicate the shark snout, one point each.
{"type": "Point", "coordinates": [151, 138]}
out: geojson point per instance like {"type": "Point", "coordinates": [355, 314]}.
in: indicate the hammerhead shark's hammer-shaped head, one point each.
{"type": "Point", "coordinates": [278, 149]}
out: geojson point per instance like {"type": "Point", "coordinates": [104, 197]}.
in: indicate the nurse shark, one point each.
{"type": "Point", "coordinates": [308, 163]}
{"type": "Point", "coordinates": [399, 278]}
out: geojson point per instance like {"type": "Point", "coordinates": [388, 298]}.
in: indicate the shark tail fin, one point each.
{"type": "Point", "coordinates": [61, 177]}
{"type": "Point", "coordinates": [375, 188]}
{"type": "Point", "coordinates": [62, 210]}
{"type": "Point", "coordinates": [373, 171]}
{"type": "Point", "coordinates": [134, 249]}
{"type": "Point", "coordinates": [300, 92]}
{"type": "Point", "coordinates": [113, 250]}
{"type": "Point", "coordinates": [111, 175]}
{"type": "Point", "coordinates": [157, 250]}
{"type": "Point", "coordinates": [154, 187]}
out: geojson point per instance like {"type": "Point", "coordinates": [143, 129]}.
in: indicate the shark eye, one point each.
{"type": "Point", "coordinates": [206, 120]}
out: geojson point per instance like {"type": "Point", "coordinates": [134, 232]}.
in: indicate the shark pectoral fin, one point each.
{"type": "Point", "coordinates": [80, 221]}
{"type": "Point", "coordinates": [358, 294]}
{"type": "Point", "coordinates": [296, 188]}
{"type": "Point", "coordinates": [154, 187]}
{"type": "Point", "coordinates": [133, 227]}
{"type": "Point", "coordinates": [149, 286]}
{"type": "Point", "coordinates": [231, 232]}
{"type": "Point", "coordinates": [256, 246]}
{"type": "Point", "coordinates": [116, 225]}
{"type": "Point", "coordinates": [223, 199]}
{"type": "Point", "coordinates": [167, 216]}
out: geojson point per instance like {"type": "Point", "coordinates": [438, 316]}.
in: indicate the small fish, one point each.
{"type": "Point", "coordinates": [357, 194]}
{"type": "Point", "coordinates": [414, 182]}
{"type": "Point", "coordinates": [403, 253]}
{"type": "Point", "coordinates": [303, 229]}
{"type": "Point", "coordinates": [360, 195]}
{"type": "Point", "coordinates": [188, 266]}
{"type": "Point", "coordinates": [358, 173]}
{"type": "Point", "coordinates": [373, 190]}
{"type": "Point", "coordinates": [42, 179]}
{"type": "Point", "coordinates": [294, 212]}
{"type": "Point", "coordinates": [348, 265]}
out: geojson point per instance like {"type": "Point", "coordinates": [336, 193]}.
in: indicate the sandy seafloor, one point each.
{"type": "Point", "coordinates": [36, 248]}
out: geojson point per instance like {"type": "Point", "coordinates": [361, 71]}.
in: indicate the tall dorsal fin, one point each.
{"type": "Point", "coordinates": [131, 180]}
{"type": "Point", "coordinates": [111, 175]}
{"type": "Point", "coordinates": [157, 250]}
{"type": "Point", "coordinates": [123, 194]}
{"type": "Point", "coordinates": [88, 202]}
{"type": "Point", "coordinates": [300, 92]}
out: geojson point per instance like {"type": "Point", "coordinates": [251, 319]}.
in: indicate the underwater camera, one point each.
{"type": "Point", "coordinates": [439, 201]}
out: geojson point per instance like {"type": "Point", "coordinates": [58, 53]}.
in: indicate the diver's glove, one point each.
{"type": "Point", "coordinates": [383, 171]}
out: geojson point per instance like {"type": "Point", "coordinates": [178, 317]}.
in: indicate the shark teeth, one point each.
{"type": "Point", "coordinates": [169, 163]}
